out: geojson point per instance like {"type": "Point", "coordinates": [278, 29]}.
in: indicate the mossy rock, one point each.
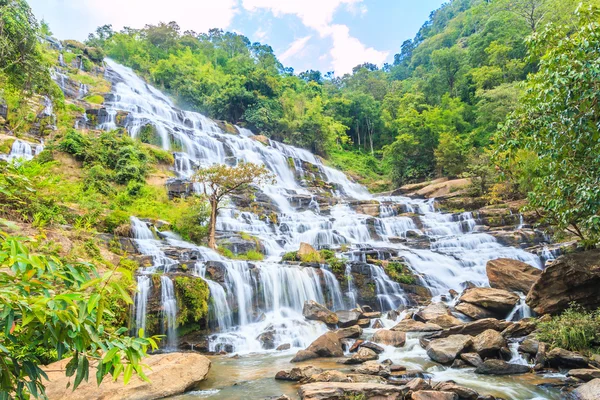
{"type": "Point", "coordinates": [192, 300]}
{"type": "Point", "coordinates": [95, 54]}
{"type": "Point", "coordinates": [74, 45]}
{"type": "Point", "coordinates": [6, 145]}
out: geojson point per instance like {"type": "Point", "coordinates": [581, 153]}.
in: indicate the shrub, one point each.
{"type": "Point", "coordinates": [115, 219]}
{"type": "Point", "coordinates": [574, 330]}
{"type": "Point", "coordinates": [252, 255]}
{"type": "Point", "coordinates": [291, 256]}
{"type": "Point", "coordinates": [398, 272]}
{"type": "Point", "coordinates": [192, 299]}
{"type": "Point", "coordinates": [311, 258]}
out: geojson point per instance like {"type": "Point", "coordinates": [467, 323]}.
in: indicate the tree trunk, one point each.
{"type": "Point", "coordinates": [212, 225]}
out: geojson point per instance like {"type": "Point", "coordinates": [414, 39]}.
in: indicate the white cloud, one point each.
{"type": "Point", "coordinates": [260, 35]}
{"type": "Point", "coordinates": [198, 15]}
{"type": "Point", "coordinates": [346, 51]}
{"type": "Point", "coordinates": [295, 48]}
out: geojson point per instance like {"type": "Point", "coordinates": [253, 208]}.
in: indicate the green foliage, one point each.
{"type": "Point", "coordinates": [192, 223]}
{"type": "Point", "coordinates": [557, 122]}
{"type": "Point", "coordinates": [291, 256]}
{"type": "Point", "coordinates": [192, 299]}
{"type": "Point", "coordinates": [399, 272]}
{"type": "Point", "coordinates": [311, 258]}
{"type": "Point", "coordinates": [94, 99]}
{"type": "Point", "coordinates": [48, 305]}
{"type": "Point", "coordinates": [575, 330]}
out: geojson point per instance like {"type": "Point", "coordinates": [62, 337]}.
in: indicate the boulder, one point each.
{"type": "Point", "coordinates": [511, 275]}
{"type": "Point", "coordinates": [283, 347]}
{"type": "Point", "coordinates": [418, 384]}
{"type": "Point", "coordinates": [338, 376]}
{"type": "Point", "coordinates": [344, 390]}
{"type": "Point", "coordinates": [307, 250]}
{"type": "Point", "coordinates": [347, 318]}
{"type": "Point", "coordinates": [588, 391]}
{"type": "Point", "coordinates": [474, 312]}
{"type": "Point", "coordinates": [488, 343]}
{"type": "Point", "coordinates": [475, 328]}
{"type": "Point", "coordinates": [350, 332]}
{"type": "Point", "coordinates": [410, 325]}
{"type": "Point", "coordinates": [463, 393]}
{"type": "Point", "coordinates": [571, 278]}
{"type": "Point", "coordinates": [373, 368]}
{"type": "Point", "coordinates": [267, 340]}
{"type": "Point", "coordinates": [327, 345]}
{"type": "Point", "coordinates": [446, 321]}
{"type": "Point", "coordinates": [473, 359]}
{"type": "Point", "coordinates": [496, 300]}
{"type": "Point", "coordinates": [370, 345]}
{"type": "Point", "coordinates": [529, 346]}
{"type": "Point", "coordinates": [297, 374]}
{"type": "Point", "coordinates": [364, 322]}
{"type": "Point", "coordinates": [445, 350]}
{"type": "Point", "coordinates": [314, 311]}
{"type": "Point", "coordinates": [560, 358]}
{"type": "Point", "coordinates": [378, 324]}
{"type": "Point", "coordinates": [585, 375]}
{"type": "Point", "coordinates": [363, 354]}
{"type": "Point", "coordinates": [501, 367]}
{"type": "Point", "coordinates": [390, 338]}
{"type": "Point", "coordinates": [356, 345]}
{"type": "Point", "coordinates": [304, 355]}
{"type": "Point", "coordinates": [170, 374]}
{"type": "Point", "coordinates": [433, 395]}
{"type": "Point", "coordinates": [521, 328]}
{"type": "Point", "coordinates": [432, 311]}
{"type": "Point", "coordinates": [540, 357]}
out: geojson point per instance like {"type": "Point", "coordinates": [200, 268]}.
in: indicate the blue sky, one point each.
{"type": "Point", "coordinates": [328, 35]}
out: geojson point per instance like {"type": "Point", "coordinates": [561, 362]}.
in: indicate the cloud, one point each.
{"type": "Point", "coordinates": [295, 48]}
{"type": "Point", "coordinates": [346, 51]}
{"type": "Point", "coordinates": [198, 15]}
{"type": "Point", "coordinates": [260, 34]}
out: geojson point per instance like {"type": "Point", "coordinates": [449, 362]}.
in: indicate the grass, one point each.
{"type": "Point", "coordinates": [575, 329]}
{"type": "Point", "coordinates": [363, 167]}
{"type": "Point", "coordinates": [95, 99]}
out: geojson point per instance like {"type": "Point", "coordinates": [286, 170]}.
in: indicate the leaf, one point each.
{"type": "Point", "coordinates": [128, 373]}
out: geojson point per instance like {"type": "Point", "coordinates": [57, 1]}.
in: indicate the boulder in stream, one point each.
{"type": "Point", "coordinates": [343, 390]}
{"type": "Point", "coordinates": [446, 350]}
{"type": "Point", "coordinates": [347, 318]}
{"type": "Point", "coordinates": [561, 358]}
{"type": "Point", "coordinates": [497, 301]}
{"type": "Point", "coordinates": [585, 375]}
{"type": "Point", "coordinates": [410, 325]}
{"type": "Point", "coordinates": [511, 275]}
{"type": "Point", "coordinates": [314, 311]}
{"type": "Point", "coordinates": [326, 345]}
{"type": "Point", "coordinates": [434, 395]}
{"type": "Point", "coordinates": [488, 343]}
{"type": "Point", "coordinates": [501, 367]}
{"type": "Point", "coordinates": [432, 311]}
{"type": "Point", "coordinates": [588, 391]}
{"type": "Point", "coordinates": [390, 338]}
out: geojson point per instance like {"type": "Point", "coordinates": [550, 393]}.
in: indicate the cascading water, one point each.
{"type": "Point", "coordinates": [258, 305]}
{"type": "Point", "coordinates": [21, 150]}
{"type": "Point", "coordinates": [169, 311]}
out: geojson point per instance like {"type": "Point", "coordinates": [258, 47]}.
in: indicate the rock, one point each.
{"type": "Point", "coordinates": [327, 345]}
{"type": "Point", "coordinates": [496, 300]}
{"type": "Point", "coordinates": [458, 364]}
{"type": "Point", "coordinates": [262, 139]}
{"type": "Point", "coordinates": [418, 384]}
{"type": "Point", "coordinates": [529, 346]}
{"type": "Point", "coordinates": [473, 359]}
{"type": "Point", "coordinates": [356, 345]}
{"type": "Point", "coordinates": [446, 321]}
{"type": "Point", "coordinates": [433, 395]}
{"type": "Point", "coordinates": [372, 314]}
{"type": "Point", "coordinates": [314, 311]}
{"type": "Point", "coordinates": [588, 391]}
{"type": "Point", "coordinates": [463, 393]}
{"type": "Point", "coordinates": [350, 332]}
{"type": "Point", "coordinates": [410, 325]}
{"type": "Point", "coordinates": [540, 357]}
{"type": "Point", "coordinates": [521, 328]}
{"type": "Point", "coordinates": [297, 374]}
{"type": "Point", "coordinates": [585, 375]}
{"type": "Point", "coordinates": [445, 350]}
{"type": "Point", "coordinates": [304, 355]}
{"type": "Point", "coordinates": [511, 275]}
{"type": "Point", "coordinates": [390, 338]}
{"type": "Point", "coordinates": [488, 343]}
{"type": "Point", "coordinates": [432, 311]}
{"type": "Point", "coordinates": [373, 368]}
{"type": "Point", "coordinates": [364, 322]}
{"type": "Point", "coordinates": [267, 340]}
{"type": "Point", "coordinates": [347, 318]}
{"type": "Point", "coordinates": [370, 345]}
{"type": "Point", "coordinates": [473, 311]}
{"type": "Point", "coordinates": [501, 367]}
{"type": "Point", "coordinates": [170, 374]}
{"type": "Point", "coordinates": [377, 324]}
{"type": "Point", "coordinates": [307, 250]}
{"type": "Point", "coordinates": [571, 278]}
{"type": "Point", "coordinates": [362, 355]}
{"type": "Point", "coordinates": [475, 328]}
{"type": "Point", "coordinates": [283, 347]}
{"type": "Point", "coordinates": [560, 358]}
{"type": "Point", "coordinates": [343, 390]}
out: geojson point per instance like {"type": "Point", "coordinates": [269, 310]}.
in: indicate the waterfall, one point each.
{"type": "Point", "coordinates": [21, 150]}
{"type": "Point", "coordinates": [258, 305]}
{"type": "Point", "coordinates": [144, 284]}
{"type": "Point", "coordinates": [169, 311]}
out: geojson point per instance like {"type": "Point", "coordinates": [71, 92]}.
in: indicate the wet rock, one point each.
{"type": "Point", "coordinates": [496, 300]}
{"type": "Point", "coordinates": [473, 311]}
{"type": "Point", "coordinates": [458, 364]}
{"type": "Point", "coordinates": [433, 395]}
{"type": "Point", "coordinates": [571, 278]}
{"type": "Point", "coordinates": [540, 357]}
{"type": "Point", "coordinates": [410, 325]}
{"type": "Point", "coordinates": [473, 359]}
{"type": "Point", "coordinates": [347, 318]}
{"type": "Point", "coordinates": [363, 354]}
{"type": "Point", "coordinates": [377, 324]}
{"type": "Point", "coordinates": [364, 323]}
{"type": "Point", "coordinates": [418, 384]}
{"type": "Point", "coordinates": [519, 329]}
{"type": "Point", "coordinates": [432, 311]}
{"type": "Point", "coordinates": [356, 345]}
{"type": "Point", "coordinates": [314, 311]}
{"type": "Point", "coordinates": [463, 393]}
{"type": "Point", "coordinates": [501, 367]}
{"type": "Point", "coordinates": [560, 358]}
{"type": "Point", "coordinates": [350, 332]}
{"type": "Point", "coordinates": [475, 328]}
{"type": "Point", "coordinates": [489, 343]}
{"type": "Point", "coordinates": [585, 375]}
{"type": "Point", "coordinates": [297, 374]}
{"type": "Point", "coordinates": [370, 345]}
{"type": "Point", "coordinates": [283, 347]}
{"type": "Point", "coordinates": [267, 340]}
{"type": "Point", "coordinates": [529, 346]}
{"type": "Point", "coordinates": [446, 350]}
{"type": "Point", "coordinates": [390, 338]}
{"type": "Point", "coordinates": [343, 390]}
{"type": "Point", "coordinates": [372, 315]}
{"type": "Point", "coordinates": [511, 275]}
{"type": "Point", "coordinates": [327, 345]}
{"type": "Point", "coordinates": [373, 368]}
{"type": "Point", "coordinates": [304, 355]}
{"type": "Point", "coordinates": [446, 321]}
{"type": "Point", "coordinates": [589, 391]}
{"type": "Point", "coordinates": [307, 250]}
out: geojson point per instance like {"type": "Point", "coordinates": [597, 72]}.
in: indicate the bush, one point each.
{"type": "Point", "coordinates": [192, 299]}
{"type": "Point", "coordinates": [398, 272]}
{"type": "Point", "coordinates": [115, 219]}
{"type": "Point", "coordinates": [574, 330]}
{"type": "Point", "coordinates": [99, 179]}
{"type": "Point", "coordinates": [291, 256]}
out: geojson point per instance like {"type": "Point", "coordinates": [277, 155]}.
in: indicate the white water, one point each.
{"type": "Point", "coordinates": [21, 150]}
{"type": "Point", "coordinates": [169, 311]}
{"type": "Point", "coordinates": [267, 296]}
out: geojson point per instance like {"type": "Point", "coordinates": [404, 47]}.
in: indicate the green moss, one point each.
{"type": "Point", "coordinates": [6, 145]}
{"type": "Point", "coordinates": [192, 299]}
{"type": "Point", "coordinates": [94, 99]}
{"type": "Point", "coordinates": [291, 256]}
{"type": "Point", "coordinates": [399, 272]}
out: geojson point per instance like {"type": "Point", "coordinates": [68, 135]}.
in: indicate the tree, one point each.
{"type": "Point", "coordinates": [558, 121]}
{"type": "Point", "coordinates": [49, 305]}
{"type": "Point", "coordinates": [220, 180]}
{"type": "Point", "coordinates": [449, 62]}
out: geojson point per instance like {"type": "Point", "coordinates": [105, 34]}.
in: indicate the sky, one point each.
{"type": "Point", "coordinates": [325, 35]}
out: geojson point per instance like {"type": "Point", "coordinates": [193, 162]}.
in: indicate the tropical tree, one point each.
{"type": "Point", "coordinates": [220, 180]}
{"type": "Point", "coordinates": [49, 306]}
